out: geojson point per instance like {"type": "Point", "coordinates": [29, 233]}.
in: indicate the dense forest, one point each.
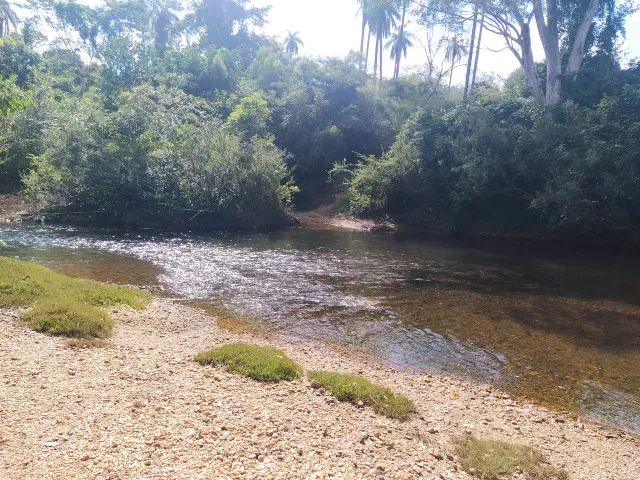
{"type": "Point", "coordinates": [157, 112]}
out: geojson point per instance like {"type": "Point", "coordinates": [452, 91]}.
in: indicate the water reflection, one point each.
{"type": "Point", "coordinates": [560, 328]}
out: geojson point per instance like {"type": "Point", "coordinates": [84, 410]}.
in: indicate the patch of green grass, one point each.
{"type": "Point", "coordinates": [492, 459]}
{"type": "Point", "coordinates": [24, 284]}
{"type": "Point", "coordinates": [264, 364]}
{"type": "Point", "coordinates": [86, 343]}
{"type": "Point", "coordinates": [68, 318]}
{"type": "Point", "coordinates": [354, 389]}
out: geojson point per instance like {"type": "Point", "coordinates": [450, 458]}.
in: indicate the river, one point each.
{"type": "Point", "coordinates": [560, 327]}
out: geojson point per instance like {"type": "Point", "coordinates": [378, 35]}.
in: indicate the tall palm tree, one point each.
{"type": "Point", "coordinates": [399, 44]}
{"type": "Point", "coordinates": [363, 13]}
{"type": "Point", "coordinates": [455, 50]}
{"type": "Point", "coordinates": [8, 18]}
{"type": "Point", "coordinates": [163, 20]}
{"type": "Point", "coordinates": [292, 43]}
{"type": "Point", "coordinates": [383, 17]}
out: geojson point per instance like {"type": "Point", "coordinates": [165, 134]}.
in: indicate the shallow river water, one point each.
{"type": "Point", "coordinates": [560, 327]}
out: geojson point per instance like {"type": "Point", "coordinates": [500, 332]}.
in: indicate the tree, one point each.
{"type": "Point", "coordinates": [472, 43]}
{"type": "Point", "coordinates": [401, 35]}
{"type": "Point", "coordinates": [8, 18]}
{"type": "Point", "coordinates": [292, 43]}
{"type": "Point", "coordinates": [512, 21]}
{"type": "Point", "coordinates": [383, 16]}
{"type": "Point", "coordinates": [225, 22]}
{"type": "Point", "coordinates": [363, 12]}
{"type": "Point", "coordinates": [399, 43]}
{"type": "Point", "coordinates": [477, 55]}
{"type": "Point", "coordinates": [455, 50]}
{"type": "Point", "coordinates": [163, 21]}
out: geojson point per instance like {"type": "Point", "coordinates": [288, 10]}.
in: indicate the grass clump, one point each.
{"type": "Point", "coordinates": [86, 343]}
{"type": "Point", "coordinates": [62, 305]}
{"type": "Point", "coordinates": [492, 459]}
{"type": "Point", "coordinates": [264, 364]}
{"type": "Point", "coordinates": [354, 389]}
{"type": "Point", "coordinates": [24, 283]}
{"type": "Point", "coordinates": [69, 318]}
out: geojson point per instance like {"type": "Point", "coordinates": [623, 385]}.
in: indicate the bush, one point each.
{"type": "Point", "coordinates": [69, 319]}
{"type": "Point", "coordinates": [506, 166]}
{"type": "Point", "coordinates": [491, 460]}
{"type": "Point", "coordinates": [160, 158]}
{"type": "Point", "coordinates": [354, 389]}
{"type": "Point", "coordinates": [259, 363]}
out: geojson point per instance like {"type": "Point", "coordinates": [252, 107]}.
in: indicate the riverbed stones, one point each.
{"type": "Point", "coordinates": [142, 409]}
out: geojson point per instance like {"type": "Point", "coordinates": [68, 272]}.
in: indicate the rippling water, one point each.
{"type": "Point", "coordinates": [559, 328]}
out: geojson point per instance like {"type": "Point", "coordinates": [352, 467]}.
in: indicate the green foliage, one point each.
{"type": "Point", "coordinates": [356, 390]}
{"type": "Point", "coordinates": [259, 363]}
{"type": "Point", "coordinates": [250, 118]}
{"type": "Point", "coordinates": [506, 166]}
{"type": "Point", "coordinates": [68, 318]}
{"type": "Point", "coordinates": [492, 460]}
{"type": "Point", "coordinates": [22, 284]}
{"type": "Point", "coordinates": [146, 114]}
{"type": "Point", "coordinates": [160, 154]}
{"type": "Point", "coordinates": [17, 60]}
{"type": "Point", "coordinates": [61, 305]}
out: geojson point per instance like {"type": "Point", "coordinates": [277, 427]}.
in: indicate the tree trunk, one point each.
{"type": "Point", "coordinates": [577, 50]}
{"type": "Point", "coordinates": [475, 62]}
{"type": "Point", "coordinates": [375, 57]}
{"type": "Point", "coordinates": [471, 47]}
{"type": "Point", "coordinates": [381, 56]}
{"type": "Point", "coordinates": [548, 31]}
{"type": "Point", "coordinates": [529, 65]}
{"type": "Point", "coordinates": [450, 79]}
{"type": "Point", "coordinates": [364, 29]}
{"type": "Point", "coordinates": [402, 24]}
{"type": "Point", "coordinates": [366, 57]}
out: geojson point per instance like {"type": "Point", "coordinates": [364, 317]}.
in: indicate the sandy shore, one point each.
{"type": "Point", "coordinates": [142, 409]}
{"type": "Point", "coordinates": [322, 217]}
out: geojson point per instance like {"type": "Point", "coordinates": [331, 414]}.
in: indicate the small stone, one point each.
{"type": "Point", "coordinates": [437, 455]}
{"type": "Point", "coordinates": [315, 385]}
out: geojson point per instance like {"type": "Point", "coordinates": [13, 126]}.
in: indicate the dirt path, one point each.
{"type": "Point", "coordinates": [142, 409]}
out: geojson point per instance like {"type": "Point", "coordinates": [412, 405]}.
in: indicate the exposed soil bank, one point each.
{"type": "Point", "coordinates": [323, 216]}
{"type": "Point", "coordinates": [13, 208]}
{"type": "Point", "coordinates": [143, 409]}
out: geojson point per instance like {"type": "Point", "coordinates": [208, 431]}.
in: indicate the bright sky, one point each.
{"type": "Point", "coordinates": [331, 28]}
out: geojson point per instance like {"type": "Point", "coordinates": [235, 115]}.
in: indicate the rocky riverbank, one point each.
{"type": "Point", "coordinates": [141, 408]}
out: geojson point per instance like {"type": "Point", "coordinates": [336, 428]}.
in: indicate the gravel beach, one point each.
{"type": "Point", "coordinates": [143, 409]}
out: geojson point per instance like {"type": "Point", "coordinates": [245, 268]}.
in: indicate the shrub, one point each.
{"type": "Point", "coordinates": [161, 157]}
{"type": "Point", "coordinates": [491, 459]}
{"type": "Point", "coordinates": [260, 363]}
{"type": "Point", "coordinates": [69, 319]}
{"type": "Point", "coordinates": [354, 389]}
